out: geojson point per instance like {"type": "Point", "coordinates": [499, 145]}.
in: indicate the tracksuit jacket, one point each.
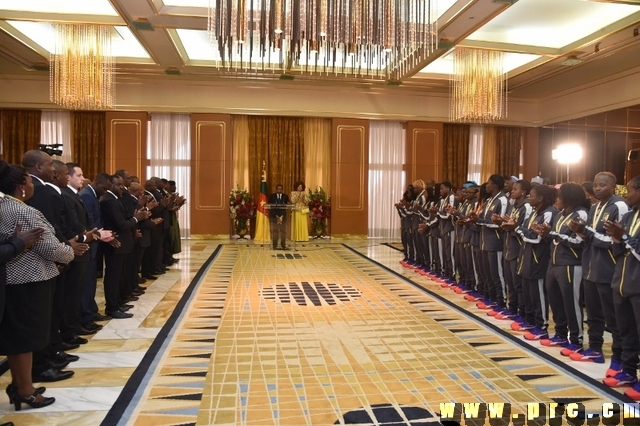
{"type": "Point", "coordinates": [626, 277]}
{"type": "Point", "coordinates": [598, 261]}
{"type": "Point", "coordinates": [512, 241]}
{"type": "Point", "coordinates": [491, 235]}
{"type": "Point", "coordinates": [566, 246]}
{"type": "Point", "coordinates": [534, 253]}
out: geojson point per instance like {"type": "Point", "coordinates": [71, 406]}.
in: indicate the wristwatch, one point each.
{"type": "Point", "coordinates": [624, 238]}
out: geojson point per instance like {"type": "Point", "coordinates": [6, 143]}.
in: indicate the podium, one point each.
{"type": "Point", "coordinates": [280, 219]}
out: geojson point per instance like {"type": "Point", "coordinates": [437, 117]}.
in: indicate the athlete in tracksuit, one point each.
{"type": "Point", "coordinates": [533, 262]}
{"type": "Point", "coordinates": [417, 206]}
{"type": "Point", "coordinates": [491, 244]}
{"type": "Point", "coordinates": [405, 224]}
{"type": "Point", "coordinates": [626, 289]}
{"type": "Point", "coordinates": [517, 213]}
{"type": "Point", "coordinates": [434, 233]}
{"type": "Point", "coordinates": [466, 254]}
{"type": "Point", "coordinates": [447, 229]}
{"type": "Point", "coordinates": [564, 275]}
{"type": "Point", "coordinates": [598, 265]}
{"type": "Point", "coordinates": [481, 292]}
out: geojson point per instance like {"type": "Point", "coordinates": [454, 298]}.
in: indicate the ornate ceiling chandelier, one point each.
{"type": "Point", "coordinates": [82, 67]}
{"type": "Point", "coordinates": [361, 38]}
{"type": "Point", "coordinates": [478, 86]}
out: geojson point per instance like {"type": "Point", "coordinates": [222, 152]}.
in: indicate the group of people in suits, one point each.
{"type": "Point", "coordinates": [278, 215]}
{"type": "Point", "coordinates": [53, 224]}
{"type": "Point", "coordinates": [521, 250]}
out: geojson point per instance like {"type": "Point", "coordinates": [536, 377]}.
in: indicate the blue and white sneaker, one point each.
{"type": "Point", "coordinates": [588, 355]}
{"type": "Point", "coordinates": [554, 341]}
{"type": "Point", "coordinates": [536, 333]}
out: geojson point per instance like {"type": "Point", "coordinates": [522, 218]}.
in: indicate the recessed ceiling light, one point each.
{"type": "Point", "coordinates": [571, 61]}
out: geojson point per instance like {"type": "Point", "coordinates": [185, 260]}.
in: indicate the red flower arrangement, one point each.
{"type": "Point", "coordinates": [241, 209]}
{"type": "Point", "coordinates": [319, 210]}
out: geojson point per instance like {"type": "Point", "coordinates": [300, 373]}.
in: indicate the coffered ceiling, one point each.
{"type": "Point", "coordinates": [551, 45]}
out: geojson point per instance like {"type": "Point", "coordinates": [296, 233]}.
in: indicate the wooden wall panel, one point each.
{"type": "Point", "coordinates": [350, 177]}
{"type": "Point", "coordinates": [210, 175]}
{"type": "Point", "coordinates": [424, 152]}
{"type": "Point", "coordinates": [126, 142]}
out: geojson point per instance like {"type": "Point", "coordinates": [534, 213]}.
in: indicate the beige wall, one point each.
{"type": "Point", "coordinates": [293, 98]}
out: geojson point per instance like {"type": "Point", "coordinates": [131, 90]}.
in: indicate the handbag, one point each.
{"type": "Point", "coordinates": [304, 210]}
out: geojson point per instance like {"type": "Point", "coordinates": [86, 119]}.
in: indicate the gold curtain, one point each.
{"type": "Point", "coordinates": [240, 151]}
{"type": "Point", "coordinates": [317, 153]}
{"type": "Point", "coordinates": [455, 138]}
{"type": "Point", "coordinates": [501, 151]}
{"type": "Point", "coordinates": [489, 153]}
{"type": "Point", "coordinates": [508, 144]}
{"type": "Point", "coordinates": [20, 133]}
{"type": "Point", "coordinates": [88, 130]}
{"type": "Point", "coordinates": [279, 142]}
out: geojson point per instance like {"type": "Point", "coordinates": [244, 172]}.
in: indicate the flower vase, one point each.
{"type": "Point", "coordinates": [318, 228]}
{"type": "Point", "coordinates": [241, 227]}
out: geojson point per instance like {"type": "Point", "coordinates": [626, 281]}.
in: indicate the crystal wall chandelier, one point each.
{"type": "Point", "coordinates": [478, 86]}
{"type": "Point", "coordinates": [82, 67]}
{"type": "Point", "coordinates": [360, 38]}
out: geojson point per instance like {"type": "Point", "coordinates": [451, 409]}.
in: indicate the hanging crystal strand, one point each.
{"type": "Point", "coordinates": [354, 34]}
{"type": "Point", "coordinates": [433, 27]}
{"type": "Point", "coordinates": [221, 36]}
{"type": "Point", "coordinates": [287, 34]}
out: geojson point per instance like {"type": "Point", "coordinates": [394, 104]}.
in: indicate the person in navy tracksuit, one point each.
{"type": "Point", "coordinates": [491, 245]}
{"type": "Point", "coordinates": [564, 276]}
{"type": "Point", "coordinates": [625, 236]}
{"type": "Point", "coordinates": [598, 263]}
{"type": "Point", "coordinates": [533, 261]}
{"type": "Point", "coordinates": [447, 229]}
{"type": "Point", "coordinates": [517, 214]}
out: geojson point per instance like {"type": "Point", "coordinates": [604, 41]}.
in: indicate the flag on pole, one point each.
{"type": "Point", "coordinates": [263, 232]}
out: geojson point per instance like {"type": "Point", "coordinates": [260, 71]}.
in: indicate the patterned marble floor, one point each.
{"type": "Point", "coordinates": [322, 335]}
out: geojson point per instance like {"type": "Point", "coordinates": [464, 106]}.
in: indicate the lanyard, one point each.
{"type": "Point", "coordinates": [598, 213]}
{"type": "Point", "coordinates": [488, 204]}
{"type": "Point", "coordinates": [561, 222]}
{"type": "Point", "coordinates": [532, 218]}
{"type": "Point", "coordinates": [635, 224]}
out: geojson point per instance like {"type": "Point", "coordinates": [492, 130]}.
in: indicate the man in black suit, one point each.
{"type": "Point", "coordinates": [66, 307]}
{"type": "Point", "coordinates": [130, 204]}
{"type": "Point", "coordinates": [278, 217]}
{"type": "Point", "coordinates": [117, 256]}
{"type": "Point", "coordinates": [90, 196]}
{"type": "Point", "coordinates": [153, 254]}
{"type": "Point", "coordinates": [77, 275]}
{"type": "Point", "coordinates": [47, 198]}
{"type": "Point", "coordinates": [143, 240]}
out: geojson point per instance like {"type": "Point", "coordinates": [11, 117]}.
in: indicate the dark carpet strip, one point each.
{"type": "Point", "coordinates": [390, 245]}
{"type": "Point", "coordinates": [128, 392]}
{"type": "Point", "coordinates": [563, 366]}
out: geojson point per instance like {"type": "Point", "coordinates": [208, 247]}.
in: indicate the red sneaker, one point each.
{"type": "Point", "coordinates": [633, 392]}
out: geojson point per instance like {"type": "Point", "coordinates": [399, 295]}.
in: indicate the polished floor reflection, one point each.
{"type": "Point", "coordinates": [335, 332]}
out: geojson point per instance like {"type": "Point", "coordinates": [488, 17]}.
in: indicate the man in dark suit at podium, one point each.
{"type": "Point", "coordinates": [278, 217]}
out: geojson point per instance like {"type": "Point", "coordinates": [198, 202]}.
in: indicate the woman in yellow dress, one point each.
{"type": "Point", "coordinates": [300, 222]}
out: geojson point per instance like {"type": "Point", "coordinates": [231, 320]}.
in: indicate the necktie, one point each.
{"type": "Point", "coordinates": [279, 197]}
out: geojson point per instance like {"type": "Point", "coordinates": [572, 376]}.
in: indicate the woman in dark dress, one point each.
{"type": "Point", "coordinates": [30, 278]}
